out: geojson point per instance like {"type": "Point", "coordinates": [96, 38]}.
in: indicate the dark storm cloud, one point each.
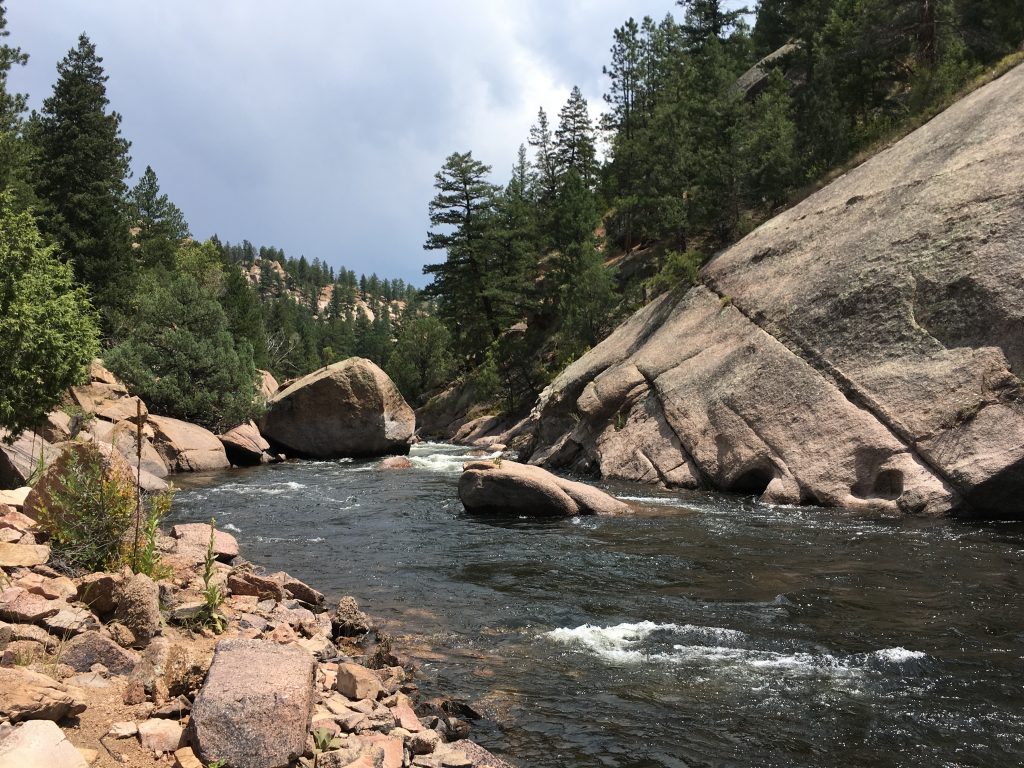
{"type": "Point", "coordinates": [318, 126]}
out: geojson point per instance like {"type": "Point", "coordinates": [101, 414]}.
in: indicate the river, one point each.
{"type": "Point", "coordinates": [703, 630]}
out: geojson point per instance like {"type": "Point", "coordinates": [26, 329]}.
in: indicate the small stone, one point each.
{"type": "Point", "coordinates": [70, 621]}
{"type": "Point", "coordinates": [59, 588]}
{"type": "Point", "coordinates": [357, 682]}
{"type": "Point", "coordinates": [424, 742]}
{"type": "Point", "coordinates": [252, 621]}
{"type": "Point", "coordinates": [123, 730]}
{"type": "Point", "coordinates": [90, 755]}
{"type": "Point", "coordinates": [186, 758]}
{"type": "Point", "coordinates": [160, 735]}
{"type": "Point", "coordinates": [174, 709]}
{"type": "Point", "coordinates": [348, 620]}
{"type": "Point", "coordinates": [196, 536]}
{"type": "Point", "coordinates": [98, 591]}
{"type": "Point", "coordinates": [120, 634]}
{"type": "Point", "coordinates": [20, 606]}
{"type": "Point", "coordinates": [248, 583]}
{"type": "Point", "coordinates": [138, 607]}
{"type": "Point", "coordinates": [406, 717]}
{"type": "Point", "coordinates": [134, 693]}
{"type": "Point", "coordinates": [89, 648]}
{"type": "Point", "coordinates": [283, 635]}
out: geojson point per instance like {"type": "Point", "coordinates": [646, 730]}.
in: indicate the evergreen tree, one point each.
{"type": "Point", "coordinates": [545, 164]}
{"type": "Point", "coordinates": [160, 223]}
{"type": "Point", "coordinates": [421, 360]}
{"type": "Point", "coordinates": [79, 168]}
{"type": "Point", "coordinates": [13, 150]}
{"type": "Point", "coordinates": [574, 139]}
{"type": "Point", "coordinates": [463, 209]}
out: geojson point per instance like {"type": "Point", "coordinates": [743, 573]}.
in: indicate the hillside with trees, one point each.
{"type": "Point", "coordinates": [714, 120]}
{"type": "Point", "coordinates": [96, 265]}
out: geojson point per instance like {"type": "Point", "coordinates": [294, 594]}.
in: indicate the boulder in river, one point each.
{"type": "Point", "coordinates": [488, 487]}
{"type": "Point", "coordinates": [348, 409]}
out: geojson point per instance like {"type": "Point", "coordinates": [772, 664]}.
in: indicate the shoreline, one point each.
{"type": "Point", "coordinates": [131, 693]}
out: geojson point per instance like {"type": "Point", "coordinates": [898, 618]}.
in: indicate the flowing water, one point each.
{"type": "Point", "coordinates": [704, 630]}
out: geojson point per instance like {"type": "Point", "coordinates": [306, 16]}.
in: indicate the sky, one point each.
{"type": "Point", "coordinates": [317, 126]}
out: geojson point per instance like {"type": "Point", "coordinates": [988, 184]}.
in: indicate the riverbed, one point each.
{"type": "Point", "coordinates": [702, 630]}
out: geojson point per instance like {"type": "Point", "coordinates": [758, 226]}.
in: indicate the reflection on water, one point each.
{"type": "Point", "coordinates": [703, 630]}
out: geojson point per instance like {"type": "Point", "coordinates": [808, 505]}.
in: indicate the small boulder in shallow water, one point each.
{"type": "Point", "coordinates": [395, 462]}
{"type": "Point", "coordinates": [511, 488]}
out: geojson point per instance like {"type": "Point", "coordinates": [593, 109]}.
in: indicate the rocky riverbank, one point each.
{"type": "Point", "coordinates": [116, 669]}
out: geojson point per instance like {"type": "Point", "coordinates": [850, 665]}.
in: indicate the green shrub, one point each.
{"type": "Point", "coordinates": [88, 511]}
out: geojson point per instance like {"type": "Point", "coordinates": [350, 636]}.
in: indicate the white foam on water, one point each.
{"type": "Point", "coordinates": [447, 462]}
{"type": "Point", "coordinates": [231, 527]}
{"type": "Point", "coordinates": [898, 655]}
{"type": "Point", "coordinates": [718, 650]}
{"type": "Point", "coordinates": [259, 490]}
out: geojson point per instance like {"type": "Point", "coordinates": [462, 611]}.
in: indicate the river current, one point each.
{"type": "Point", "coordinates": [703, 630]}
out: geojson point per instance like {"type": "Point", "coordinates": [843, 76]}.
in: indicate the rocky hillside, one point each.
{"type": "Point", "coordinates": [863, 349]}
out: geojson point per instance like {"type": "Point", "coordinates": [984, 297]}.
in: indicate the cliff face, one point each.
{"type": "Point", "coordinates": [864, 348]}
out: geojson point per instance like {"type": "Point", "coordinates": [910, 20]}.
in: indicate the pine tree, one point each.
{"type": "Point", "coordinates": [545, 163]}
{"type": "Point", "coordinates": [462, 210]}
{"type": "Point", "coordinates": [13, 151]}
{"type": "Point", "coordinates": [79, 168]}
{"type": "Point", "coordinates": [160, 223]}
{"type": "Point", "coordinates": [574, 139]}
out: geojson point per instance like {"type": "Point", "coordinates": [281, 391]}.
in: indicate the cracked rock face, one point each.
{"type": "Point", "coordinates": [863, 349]}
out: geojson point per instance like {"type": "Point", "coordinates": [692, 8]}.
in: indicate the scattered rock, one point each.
{"type": "Point", "coordinates": [245, 446]}
{"type": "Point", "coordinates": [39, 744]}
{"type": "Point", "coordinates": [138, 607]}
{"type": "Point", "coordinates": [11, 502]}
{"type": "Point", "coordinates": [27, 695]}
{"type": "Point", "coordinates": [249, 583]}
{"type": "Point", "coordinates": [255, 707]}
{"type": "Point", "coordinates": [357, 682]}
{"type": "Point", "coordinates": [424, 742]}
{"type": "Point", "coordinates": [52, 588]}
{"type": "Point", "coordinates": [123, 730]}
{"type": "Point", "coordinates": [23, 607]}
{"type": "Point", "coordinates": [348, 620]}
{"type": "Point", "coordinates": [195, 537]}
{"type": "Point", "coordinates": [14, 632]}
{"type": "Point", "coordinates": [298, 590]}
{"type": "Point", "coordinates": [187, 447]}
{"type": "Point", "coordinates": [23, 555]}
{"type": "Point", "coordinates": [89, 648]}
{"type": "Point", "coordinates": [519, 489]}
{"type": "Point", "coordinates": [20, 460]}
{"type": "Point", "coordinates": [186, 758]}
{"type": "Point", "coordinates": [161, 735]}
{"type": "Point", "coordinates": [350, 408]}
{"type": "Point", "coordinates": [99, 591]}
{"type": "Point", "coordinates": [134, 693]}
{"type": "Point", "coordinates": [70, 620]}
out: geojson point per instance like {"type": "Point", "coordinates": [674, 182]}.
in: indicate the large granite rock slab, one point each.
{"type": "Point", "coordinates": [348, 409]}
{"type": "Point", "coordinates": [187, 447]}
{"type": "Point", "coordinates": [518, 489]}
{"type": "Point", "coordinates": [862, 349]}
{"type": "Point", "coordinates": [254, 709]}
